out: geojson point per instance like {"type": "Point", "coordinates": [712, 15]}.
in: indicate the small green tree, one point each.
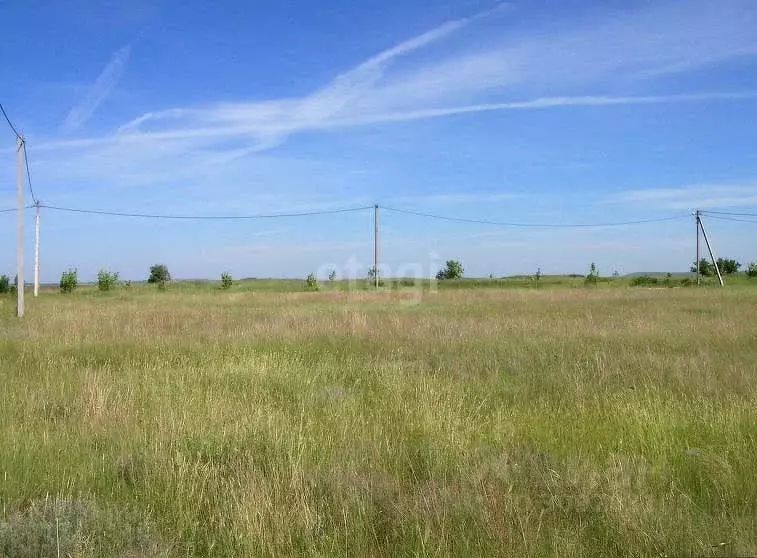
{"type": "Point", "coordinates": [372, 276]}
{"type": "Point", "coordinates": [728, 266]}
{"type": "Point", "coordinates": [69, 280]}
{"type": "Point", "coordinates": [159, 274]}
{"type": "Point", "coordinates": [332, 275]}
{"type": "Point", "coordinates": [106, 280]}
{"type": "Point", "coordinates": [5, 284]}
{"type": "Point", "coordinates": [311, 283]}
{"type": "Point", "coordinates": [453, 269]}
{"type": "Point", "coordinates": [706, 268]}
{"type": "Point", "coordinates": [751, 270]}
{"type": "Point", "coordinates": [593, 275]}
{"type": "Point", "coordinates": [226, 280]}
{"type": "Point", "coordinates": [537, 276]}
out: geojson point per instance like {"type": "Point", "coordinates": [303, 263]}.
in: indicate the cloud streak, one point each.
{"type": "Point", "coordinates": [697, 196]}
{"type": "Point", "coordinates": [639, 48]}
{"type": "Point", "coordinates": [99, 91]}
{"type": "Point", "coordinates": [457, 68]}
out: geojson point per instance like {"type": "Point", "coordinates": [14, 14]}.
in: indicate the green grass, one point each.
{"type": "Point", "coordinates": [537, 422]}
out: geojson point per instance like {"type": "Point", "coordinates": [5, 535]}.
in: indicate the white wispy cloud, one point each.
{"type": "Point", "coordinates": [696, 196]}
{"type": "Point", "coordinates": [454, 198]}
{"type": "Point", "coordinates": [456, 68]}
{"type": "Point", "coordinates": [659, 39]}
{"type": "Point", "coordinates": [99, 91]}
{"type": "Point", "coordinates": [647, 43]}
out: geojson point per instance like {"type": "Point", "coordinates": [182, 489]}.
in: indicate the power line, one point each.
{"type": "Point", "coordinates": [8, 120]}
{"type": "Point", "coordinates": [13, 209]}
{"type": "Point", "coordinates": [23, 145]}
{"type": "Point", "coordinates": [734, 219]}
{"type": "Point", "coordinates": [533, 225]}
{"type": "Point", "coordinates": [705, 212]}
{"type": "Point", "coordinates": [29, 175]}
{"type": "Point", "coordinates": [205, 217]}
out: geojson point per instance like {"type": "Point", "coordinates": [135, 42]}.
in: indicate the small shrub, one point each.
{"type": "Point", "coordinates": [159, 274]}
{"type": "Point", "coordinates": [311, 283]}
{"type": "Point", "coordinates": [453, 269]}
{"type": "Point", "coordinates": [127, 285]}
{"type": "Point", "coordinates": [69, 280]}
{"type": "Point", "coordinates": [643, 281]}
{"type": "Point", "coordinates": [706, 268]}
{"type": "Point", "coordinates": [106, 280]}
{"type": "Point", "coordinates": [751, 270]}
{"type": "Point", "coordinates": [593, 276]}
{"type": "Point", "coordinates": [5, 284]}
{"type": "Point", "coordinates": [58, 526]}
{"type": "Point", "coordinates": [162, 285]}
{"type": "Point", "coordinates": [686, 282]}
{"type": "Point", "coordinates": [537, 276]}
{"type": "Point", "coordinates": [728, 266]}
{"type": "Point", "coordinates": [226, 280]}
{"type": "Point", "coordinates": [332, 275]}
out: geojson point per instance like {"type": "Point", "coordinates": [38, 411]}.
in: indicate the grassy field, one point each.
{"type": "Point", "coordinates": [514, 422]}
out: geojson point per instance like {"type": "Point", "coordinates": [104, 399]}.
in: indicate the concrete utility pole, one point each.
{"type": "Point", "coordinates": [36, 249]}
{"type": "Point", "coordinates": [712, 256]}
{"type": "Point", "coordinates": [696, 223]}
{"type": "Point", "coordinates": [20, 228]}
{"type": "Point", "coordinates": [376, 245]}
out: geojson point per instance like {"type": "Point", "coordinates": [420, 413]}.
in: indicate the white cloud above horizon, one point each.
{"type": "Point", "coordinates": [99, 91]}
{"type": "Point", "coordinates": [649, 43]}
{"type": "Point", "coordinates": [690, 197]}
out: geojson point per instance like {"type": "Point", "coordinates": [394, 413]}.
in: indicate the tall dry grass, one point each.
{"type": "Point", "coordinates": [476, 422]}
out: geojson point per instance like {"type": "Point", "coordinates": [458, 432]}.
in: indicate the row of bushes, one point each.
{"type": "Point", "coordinates": [106, 280]}
{"type": "Point", "coordinates": [727, 266]}
{"type": "Point", "coordinates": [160, 275]}
{"type": "Point", "coordinates": [668, 281]}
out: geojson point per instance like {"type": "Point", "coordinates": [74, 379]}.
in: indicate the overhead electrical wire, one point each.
{"type": "Point", "coordinates": [23, 146]}
{"type": "Point", "coordinates": [13, 209]}
{"type": "Point", "coordinates": [533, 225]}
{"type": "Point", "coordinates": [351, 210]}
{"type": "Point", "coordinates": [733, 219]}
{"type": "Point", "coordinates": [205, 217]}
{"type": "Point", "coordinates": [8, 120]}
{"type": "Point", "coordinates": [29, 176]}
{"type": "Point", "coordinates": [730, 213]}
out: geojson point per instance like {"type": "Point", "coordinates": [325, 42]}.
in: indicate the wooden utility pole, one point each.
{"type": "Point", "coordinates": [376, 245]}
{"type": "Point", "coordinates": [696, 223]}
{"type": "Point", "coordinates": [36, 248]}
{"type": "Point", "coordinates": [20, 228]}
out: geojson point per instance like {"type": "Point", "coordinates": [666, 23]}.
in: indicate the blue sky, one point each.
{"type": "Point", "coordinates": [539, 112]}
